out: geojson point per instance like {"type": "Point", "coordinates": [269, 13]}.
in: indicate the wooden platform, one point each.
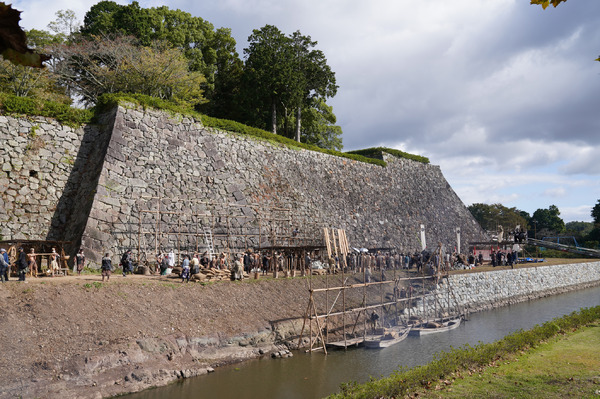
{"type": "Point", "coordinates": [350, 342]}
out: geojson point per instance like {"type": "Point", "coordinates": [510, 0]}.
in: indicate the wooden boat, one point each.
{"type": "Point", "coordinates": [391, 337]}
{"type": "Point", "coordinates": [431, 328]}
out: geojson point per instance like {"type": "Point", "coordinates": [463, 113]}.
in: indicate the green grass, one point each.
{"type": "Point", "coordinates": [63, 113]}
{"type": "Point", "coordinates": [565, 366]}
{"type": "Point", "coordinates": [469, 360]}
{"type": "Point", "coordinates": [95, 284]}
{"type": "Point", "coordinates": [376, 152]}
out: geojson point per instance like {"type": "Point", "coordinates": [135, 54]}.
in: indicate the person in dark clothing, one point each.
{"type": "Point", "coordinates": [106, 267]}
{"type": "Point", "coordinates": [265, 263]}
{"type": "Point", "coordinates": [248, 261]}
{"type": "Point", "coordinates": [164, 265]}
{"type": "Point", "coordinates": [126, 263]}
{"type": "Point", "coordinates": [205, 260]}
{"type": "Point", "coordinates": [4, 265]}
{"type": "Point", "coordinates": [22, 264]}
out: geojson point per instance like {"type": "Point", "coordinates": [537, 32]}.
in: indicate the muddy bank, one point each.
{"type": "Point", "coordinates": [75, 337]}
{"type": "Point", "coordinates": [79, 338]}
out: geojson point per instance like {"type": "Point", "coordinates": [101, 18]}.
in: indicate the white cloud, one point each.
{"type": "Point", "coordinates": [555, 192]}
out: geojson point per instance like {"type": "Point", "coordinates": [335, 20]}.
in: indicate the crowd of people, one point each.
{"type": "Point", "coordinates": [263, 262]}
{"type": "Point", "coordinates": [26, 264]}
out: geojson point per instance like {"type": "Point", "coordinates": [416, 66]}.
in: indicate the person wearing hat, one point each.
{"type": "Point", "coordinates": [3, 265]}
{"type": "Point", "coordinates": [54, 268]}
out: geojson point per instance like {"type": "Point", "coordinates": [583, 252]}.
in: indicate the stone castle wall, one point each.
{"type": "Point", "coordinates": [49, 176]}
{"type": "Point", "coordinates": [103, 185]}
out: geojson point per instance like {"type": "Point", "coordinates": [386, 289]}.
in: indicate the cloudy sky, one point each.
{"type": "Point", "coordinates": [503, 95]}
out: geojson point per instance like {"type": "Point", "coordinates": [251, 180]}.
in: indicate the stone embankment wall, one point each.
{"type": "Point", "coordinates": [152, 155]}
{"type": "Point", "coordinates": [102, 186]}
{"type": "Point", "coordinates": [480, 291]}
{"type": "Point", "coordinates": [48, 176]}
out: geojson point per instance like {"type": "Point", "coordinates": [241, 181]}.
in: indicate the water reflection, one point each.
{"type": "Point", "coordinates": [316, 375]}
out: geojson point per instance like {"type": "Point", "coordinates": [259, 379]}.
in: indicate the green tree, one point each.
{"type": "Point", "coordinates": [202, 46]}
{"type": "Point", "coordinates": [268, 76]}
{"type": "Point", "coordinates": [100, 19]}
{"type": "Point", "coordinates": [318, 126]}
{"type": "Point", "coordinates": [548, 220]}
{"type": "Point", "coordinates": [314, 78]}
{"type": "Point", "coordinates": [223, 100]}
{"type": "Point", "coordinates": [96, 66]}
{"type": "Point", "coordinates": [579, 230]}
{"type": "Point", "coordinates": [595, 213]}
{"type": "Point", "coordinates": [492, 216]}
{"type": "Point", "coordinates": [65, 24]}
{"type": "Point", "coordinates": [25, 81]}
{"type": "Point", "coordinates": [22, 80]}
{"type": "Point", "coordinates": [593, 236]}
{"type": "Point", "coordinates": [283, 77]}
{"type": "Point", "coordinates": [41, 39]}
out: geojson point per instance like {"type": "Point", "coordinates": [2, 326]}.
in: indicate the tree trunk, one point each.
{"type": "Point", "coordinates": [274, 118]}
{"type": "Point", "coordinates": [298, 123]}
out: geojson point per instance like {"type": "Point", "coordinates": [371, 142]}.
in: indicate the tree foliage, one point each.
{"type": "Point", "coordinates": [94, 66]}
{"type": "Point", "coordinates": [548, 221]}
{"type": "Point", "coordinates": [318, 126]}
{"type": "Point", "coordinates": [65, 24]}
{"type": "Point", "coordinates": [24, 81]}
{"type": "Point", "coordinates": [282, 86]}
{"type": "Point", "coordinates": [546, 3]}
{"type": "Point", "coordinates": [291, 76]}
{"type": "Point", "coordinates": [492, 216]}
{"type": "Point", "coordinates": [203, 47]}
{"type": "Point", "coordinates": [595, 213]}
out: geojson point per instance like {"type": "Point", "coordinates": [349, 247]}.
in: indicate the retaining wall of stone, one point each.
{"type": "Point", "coordinates": [49, 176]}
{"type": "Point", "coordinates": [102, 186]}
{"type": "Point", "coordinates": [479, 291]}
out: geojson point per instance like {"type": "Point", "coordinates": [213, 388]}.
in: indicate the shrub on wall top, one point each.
{"type": "Point", "coordinates": [376, 152]}
{"type": "Point", "coordinates": [63, 113]}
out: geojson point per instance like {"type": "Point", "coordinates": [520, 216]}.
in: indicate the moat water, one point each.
{"type": "Point", "coordinates": [316, 375]}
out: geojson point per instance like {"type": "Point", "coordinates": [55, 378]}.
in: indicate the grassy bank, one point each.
{"type": "Point", "coordinates": [481, 361]}
{"type": "Point", "coordinates": [565, 366]}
